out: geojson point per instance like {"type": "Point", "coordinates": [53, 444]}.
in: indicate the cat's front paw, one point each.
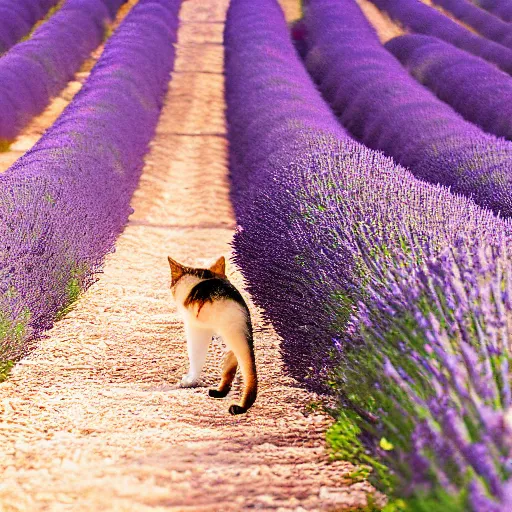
{"type": "Point", "coordinates": [188, 381]}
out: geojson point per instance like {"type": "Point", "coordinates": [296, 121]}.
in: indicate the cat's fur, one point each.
{"type": "Point", "coordinates": [210, 305]}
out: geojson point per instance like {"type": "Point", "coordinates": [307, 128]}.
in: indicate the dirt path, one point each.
{"type": "Point", "coordinates": [92, 420]}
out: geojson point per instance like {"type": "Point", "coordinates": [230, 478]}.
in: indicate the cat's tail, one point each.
{"type": "Point", "coordinates": [240, 342]}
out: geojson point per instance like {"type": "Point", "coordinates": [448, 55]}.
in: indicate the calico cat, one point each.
{"type": "Point", "coordinates": [210, 305]}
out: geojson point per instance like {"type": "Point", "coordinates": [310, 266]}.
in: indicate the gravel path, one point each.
{"type": "Point", "coordinates": [93, 421]}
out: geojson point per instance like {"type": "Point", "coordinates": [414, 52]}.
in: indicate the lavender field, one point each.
{"type": "Point", "coordinates": [351, 158]}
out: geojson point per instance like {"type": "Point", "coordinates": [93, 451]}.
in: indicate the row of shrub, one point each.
{"type": "Point", "coordinates": [483, 22]}
{"type": "Point", "coordinates": [273, 111]}
{"type": "Point", "coordinates": [386, 109]}
{"type": "Point", "coordinates": [423, 19]}
{"type": "Point", "coordinates": [475, 88]}
{"type": "Point", "coordinates": [17, 17]}
{"type": "Point", "coordinates": [36, 70]}
{"type": "Point", "coordinates": [500, 8]}
{"type": "Point", "coordinates": [64, 202]}
{"type": "Point", "coordinates": [398, 291]}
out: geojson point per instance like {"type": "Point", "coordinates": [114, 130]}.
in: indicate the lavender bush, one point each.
{"type": "Point", "coordinates": [408, 285]}
{"type": "Point", "coordinates": [113, 6]}
{"type": "Point", "coordinates": [473, 87]}
{"type": "Point", "coordinates": [17, 17]}
{"type": "Point", "coordinates": [36, 70]}
{"type": "Point", "coordinates": [306, 111]}
{"type": "Point", "coordinates": [385, 108]}
{"type": "Point", "coordinates": [500, 8]}
{"type": "Point", "coordinates": [64, 202]}
{"type": "Point", "coordinates": [483, 22]}
{"type": "Point", "coordinates": [418, 17]}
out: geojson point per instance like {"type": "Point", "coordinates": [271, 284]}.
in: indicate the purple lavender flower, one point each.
{"type": "Point", "coordinates": [473, 87]}
{"type": "Point", "coordinates": [340, 246]}
{"type": "Point", "coordinates": [64, 202]}
{"type": "Point", "coordinates": [383, 107]}
{"type": "Point", "coordinates": [480, 500]}
{"type": "Point", "coordinates": [17, 17]}
{"type": "Point", "coordinates": [36, 70]}
{"type": "Point", "coordinates": [484, 23]}
{"type": "Point", "coordinates": [423, 19]}
{"type": "Point", "coordinates": [500, 8]}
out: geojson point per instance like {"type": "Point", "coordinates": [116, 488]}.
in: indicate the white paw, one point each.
{"type": "Point", "coordinates": [188, 381]}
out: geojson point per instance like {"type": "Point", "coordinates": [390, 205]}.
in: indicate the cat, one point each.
{"type": "Point", "coordinates": [210, 305]}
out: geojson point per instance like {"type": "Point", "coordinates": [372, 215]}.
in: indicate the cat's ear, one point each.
{"type": "Point", "coordinates": [177, 269]}
{"type": "Point", "coordinates": [219, 267]}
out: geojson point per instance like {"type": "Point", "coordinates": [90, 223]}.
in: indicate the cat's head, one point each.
{"type": "Point", "coordinates": [218, 269]}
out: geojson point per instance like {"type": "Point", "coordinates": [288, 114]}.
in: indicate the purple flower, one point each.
{"type": "Point", "coordinates": [480, 501]}
{"type": "Point", "coordinates": [423, 19]}
{"type": "Point", "coordinates": [17, 17]}
{"type": "Point", "coordinates": [484, 23]}
{"type": "Point", "coordinates": [386, 109]}
{"type": "Point", "coordinates": [64, 202]}
{"type": "Point", "coordinates": [500, 8]}
{"type": "Point", "coordinates": [469, 84]}
{"type": "Point", "coordinates": [347, 252]}
{"type": "Point", "coordinates": [35, 71]}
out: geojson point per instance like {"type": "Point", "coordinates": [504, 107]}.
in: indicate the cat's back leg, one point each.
{"type": "Point", "coordinates": [239, 340]}
{"type": "Point", "coordinates": [228, 374]}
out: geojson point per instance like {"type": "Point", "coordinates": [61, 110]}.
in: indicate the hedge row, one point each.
{"type": "Point", "coordinates": [475, 88]}
{"type": "Point", "coordinates": [418, 17]}
{"type": "Point", "coordinates": [386, 109]}
{"type": "Point", "coordinates": [17, 17]}
{"type": "Point", "coordinates": [500, 8]}
{"type": "Point", "coordinates": [484, 23]}
{"type": "Point", "coordinates": [64, 202]}
{"type": "Point", "coordinates": [401, 286]}
{"type": "Point", "coordinates": [38, 69]}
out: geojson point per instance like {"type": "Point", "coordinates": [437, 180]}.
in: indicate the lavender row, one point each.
{"type": "Point", "coordinates": [38, 69]}
{"type": "Point", "coordinates": [17, 17]}
{"type": "Point", "coordinates": [347, 255]}
{"type": "Point", "coordinates": [64, 202]}
{"type": "Point", "coordinates": [483, 22]}
{"type": "Point", "coordinates": [248, 37]}
{"type": "Point", "coordinates": [476, 89]}
{"type": "Point", "coordinates": [418, 17]}
{"type": "Point", "coordinates": [500, 8]}
{"type": "Point", "coordinates": [305, 110]}
{"type": "Point", "coordinates": [386, 109]}
{"type": "Point", "coordinates": [113, 6]}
